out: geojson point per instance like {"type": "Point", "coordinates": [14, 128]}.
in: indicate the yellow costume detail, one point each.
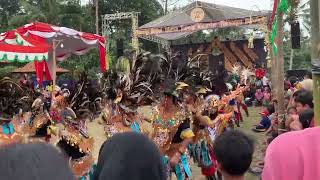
{"type": "Point", "coordinates": [186, 134]}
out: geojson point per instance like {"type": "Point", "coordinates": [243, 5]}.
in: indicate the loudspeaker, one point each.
{"type": "Point", "coordinates": [295, 35]}
{"type": "Point", "coordinates": [119, 48]}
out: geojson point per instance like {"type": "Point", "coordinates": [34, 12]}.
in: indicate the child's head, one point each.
{"type": "Point", "coordinates": [267, 109]}
{"type": "Point", "coordinates": [233, 151]}
{"type": "Point", "coordinates": [264, 113]}
{"type": "Point", "coordinates": [304, 101]}
{"type": "Point", "coordinates": [306, 117]}
{"type": "Point", "coordinates": [292, 111]}
{"type": "Point", "coordinates": [259, 90]}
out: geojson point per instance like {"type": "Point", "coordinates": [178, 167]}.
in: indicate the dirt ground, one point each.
{"type": "Point", "coordinates": [96, 130]}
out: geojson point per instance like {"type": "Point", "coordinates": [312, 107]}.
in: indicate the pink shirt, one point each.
{"type": "Point", "coordinates": [294, 156]}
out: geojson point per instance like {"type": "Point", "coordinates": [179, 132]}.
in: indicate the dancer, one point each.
{"type": "Point", "coordinates": [172, 133]}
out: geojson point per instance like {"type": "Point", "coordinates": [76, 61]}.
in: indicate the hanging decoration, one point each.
{"type": "Point", "coordinates": [201, 26]}
{"type": "Point", "coordinates": [215, 47]}
{"type": "Point", "coordinates": [250, 40]}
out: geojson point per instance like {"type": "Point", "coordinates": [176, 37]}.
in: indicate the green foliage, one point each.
{"type": "Point", "coordinates": [222, 33]}
{"type": "Point", "coordinates": [301, 57]}
{"type": "Point", "coordinates": [88, 63]}
{"type": "Point", "coordinates": [8, 8]}
{"type": "Point", "coordinates": [5, 71]}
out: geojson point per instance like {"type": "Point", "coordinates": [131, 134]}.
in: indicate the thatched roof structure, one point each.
{"type": "Point", "coordinates": [213, 13]}
{"type": "Point", "coordinates": [29, 68]}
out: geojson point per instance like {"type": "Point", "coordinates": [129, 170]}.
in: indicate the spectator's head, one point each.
{"type": "Point", "coordinates": [292, 111]}
{"type": "Point", "coordinates": [129, 156]}
{"type": "Point", "coordinates": [33, 162]}
{"type": "Point", "coordinates": [258, 90]}
{"type": "Point", "coordinates": [306, 117]}
{"type": "Point", "coordinates": [233, 151]}
{"type": "Point", "coordinates": [270, 109]}
{"type": "Point", "coordinates": [266, 89]}
{"type": "Point", "coordinates": [308, 75]}
{"type": "Point", "coordinates": [287, 85]}
{"type": "Point", "coordinates": [264, 113]}
{"type": "Point", "coordinates": [304, 101]}
{"type": "Point", "coordinates": [293, 80]}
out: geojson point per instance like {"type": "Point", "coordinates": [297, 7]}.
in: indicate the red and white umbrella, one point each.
{"type": "Point", "coordinates": [72, 41]}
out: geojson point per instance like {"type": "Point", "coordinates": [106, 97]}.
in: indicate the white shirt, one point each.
{"type": "Point", "coordinates": [265, 81]}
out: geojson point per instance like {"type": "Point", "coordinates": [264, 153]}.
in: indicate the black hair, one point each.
{"type": "Point", "coordinates": [270, 108]}
{"type": "Point", "coordinates": [305, 98]}
{"type": "Point", "coordinates": [309, 74]}
{"type": "Point", "coordinates": [293, 80]}
{"type": "Point", "coordinates": [306, 117]}
{"type": "Point", "coordinates": [234, 150]}
{"type": "Point", "coordinates": [33, 162]}
{"type": "Point", "coordinates": [129, 156]}
{"type": "Point", "coordinates": [297, 93]}
{"type": "Point", "coordinates": [174, 98]}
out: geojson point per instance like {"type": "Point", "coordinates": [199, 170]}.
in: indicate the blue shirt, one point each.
{"type": "Point", "coordinates": [265, 122]}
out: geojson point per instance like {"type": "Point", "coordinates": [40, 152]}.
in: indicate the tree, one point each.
{"type": "Point", "coordinates": [8, 8]}
{"type": "Point", "coordinates": [38, 10]}
{"type": "Point", "coordinates": [149, 9]}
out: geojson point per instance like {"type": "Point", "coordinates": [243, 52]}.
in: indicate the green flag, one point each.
{"type": "Point", "coordinates": [283, 6]}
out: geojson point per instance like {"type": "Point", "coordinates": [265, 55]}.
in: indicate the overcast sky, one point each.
{"type": "Point", "coordinates": [245, 4]}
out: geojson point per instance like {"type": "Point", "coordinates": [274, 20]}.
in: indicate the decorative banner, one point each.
{"type": "Point", "coordinates": [274, 11]}
{"type": "Point", "coordinates": [201, 26]}
{"type": "Point", "coordinates": [282, 8]}
{"type": "Point", "coordinates": [197, 14]}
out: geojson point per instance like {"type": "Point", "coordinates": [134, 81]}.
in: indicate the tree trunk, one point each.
{"type": "Point", "coordinates": [291, 59]}
{"type": "Point", "coordinates": [280, 71]}
{"type": "Point", "coordinates": [166, 7]}
{"type": "Point", "coordinates": [97, 16]}
{"type": "Point", "coordinates": [315, 39]}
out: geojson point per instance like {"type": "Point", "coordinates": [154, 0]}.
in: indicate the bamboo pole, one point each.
{"type": "Point", "coordinates": [315, 39]}
{"type": "Point", "coordinates": [274, 77]}
{"type": "Point", "coordinates": [280, 71]}
{"type": "Point", "coordinates": [291, 59]}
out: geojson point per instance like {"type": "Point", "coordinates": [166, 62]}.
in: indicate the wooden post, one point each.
{"type": "Point", "coordinates": [54, 64]}
{"type": "Point", "coordinates": [280, 71]}
{"type": "Point", "coordinates": [315, 39]}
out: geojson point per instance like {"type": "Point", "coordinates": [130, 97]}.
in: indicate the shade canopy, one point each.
{"type": "Point", "coordinates": [16, 47]}
{"type": "Point", "coordinates": [39, 41]}
{"type": "Point", "coordinates": [71, 41]}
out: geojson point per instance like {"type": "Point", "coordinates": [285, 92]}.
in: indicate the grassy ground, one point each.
{"type": "Point", "coordinates": [96, 131]}
{"type": "Point", "coordinates": [246, 127]}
